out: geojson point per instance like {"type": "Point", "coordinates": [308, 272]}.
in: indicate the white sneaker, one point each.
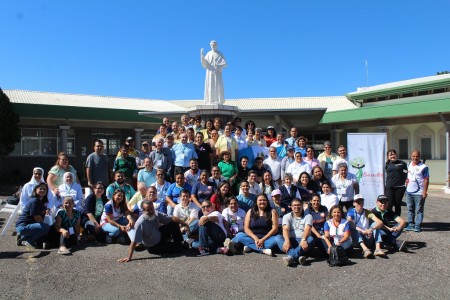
{"type": "Point", "coordinates": [302, 260]}
{"type": "Point", "coordinates": [247, 249]}
{"type": "Point", "coordinates": [267, 252]}
{"type": "Point", "coordinates": [230, 245]}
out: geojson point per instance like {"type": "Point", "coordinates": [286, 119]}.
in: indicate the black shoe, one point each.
{"type": "Point", "coordinates": [19, 240]}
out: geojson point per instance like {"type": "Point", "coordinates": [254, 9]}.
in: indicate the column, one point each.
{"type": "Point", "coordinates": [137, 137]}
{"type": "Point", "coordinates": [447, 150]}
{"type": "Point", "coordinates": [63, 145]}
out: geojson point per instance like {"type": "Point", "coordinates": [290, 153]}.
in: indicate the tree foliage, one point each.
{"type": "Point", "coordinates": [9, 124]}
{"type": "Point", "coordinates": [442, 73]}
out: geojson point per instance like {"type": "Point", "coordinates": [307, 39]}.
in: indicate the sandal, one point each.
{"type": "Point", "coordinates": [367, 253]}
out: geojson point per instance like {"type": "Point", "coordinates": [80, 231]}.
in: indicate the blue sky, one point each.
{"type": "Point", "coordinates": [151, 49]}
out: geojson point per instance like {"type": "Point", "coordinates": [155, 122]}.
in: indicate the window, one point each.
{"type": "Point", "coordinates": [425, 145]}
{"type": "Point", "coordinates": [110, 140]}
{"type": "Point", "coordinates": [403, 148]}
{"type": "Point", "coordinates": [39, 141]}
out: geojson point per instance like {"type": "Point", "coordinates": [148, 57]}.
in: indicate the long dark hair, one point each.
{"type": "Point", "coordinates": [223, 200]}
{"type": "Point", "coordinates": [122, 205]}
{"type": "Point", "coordinates": [35, 195]}
{"type": "Point", "coordinates": [272, 185]}
{"type": "Point", "coordinates": [267, 210]}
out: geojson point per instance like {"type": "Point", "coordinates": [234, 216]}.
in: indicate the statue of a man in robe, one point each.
{"type": "Point", "coordinates": [213, 62]}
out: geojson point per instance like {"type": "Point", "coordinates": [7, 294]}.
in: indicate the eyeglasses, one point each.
{"type": "Point", "coordinates": [206, 206]}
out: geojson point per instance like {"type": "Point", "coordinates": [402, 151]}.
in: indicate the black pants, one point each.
{"type": "Point", "coordinates": [395, 196]}
{"type": "Point", "coordinates": [168, 231]}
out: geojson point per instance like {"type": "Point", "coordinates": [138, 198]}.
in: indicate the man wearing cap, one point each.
{"type": "Point", "coordinates": [131, 151]}
{"type": "Point", "coordinates": [298, 166]}
{"type": "Point", "coordinates": [392, 226]}
{"type": "Point", "coordinates": [416, 191]}
{"type": "Point", "coordinates": [293, 137]}
{"type": "Point", "coordinates": [145, 152]}
{"type": "Point", "coordinates": [273, 164]}
{"type": "Point", "coordinates": [326, 159]}
{"type": "Point", "coordinates": [364, 226]}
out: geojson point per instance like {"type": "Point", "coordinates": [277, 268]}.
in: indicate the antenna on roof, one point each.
{"type": "Point", "coordinates": [367, 72]}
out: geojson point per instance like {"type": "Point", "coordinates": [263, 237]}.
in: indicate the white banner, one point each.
{"type": "Point", "coordinates": [366, 153]}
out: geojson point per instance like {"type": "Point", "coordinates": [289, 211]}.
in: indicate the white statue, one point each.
{"type": "Point", "coordinates": [213, 62]}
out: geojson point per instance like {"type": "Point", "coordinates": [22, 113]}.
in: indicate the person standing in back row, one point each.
{"type": "Point", "coordinates": [396, 173]}
{"type": "Point", "coordinates": [416, 191]}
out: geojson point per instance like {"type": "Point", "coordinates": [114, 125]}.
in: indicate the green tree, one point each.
{"type": "Point", "coordinates": [442, 73]}
{"type": "Point", "coordinates": [9, 124]}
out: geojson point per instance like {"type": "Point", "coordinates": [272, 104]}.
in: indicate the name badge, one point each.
{"type": "Point", "coordinates": [71, 231]}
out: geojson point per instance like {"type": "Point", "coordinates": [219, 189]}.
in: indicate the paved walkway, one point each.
{"type": "Point", "coordinates": [92, 272]}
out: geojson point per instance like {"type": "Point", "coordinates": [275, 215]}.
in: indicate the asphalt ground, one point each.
{"type": "Point", "coordinates": [92, 271]}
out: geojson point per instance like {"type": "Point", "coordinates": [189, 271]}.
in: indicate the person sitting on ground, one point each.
{"type": "Point", "coordinates": [202, 190]}
{"type": "Point", "coordinates": [188, 212]}
{"type": "Point", "coordinates": [93, 209]}
{"type": "Point", "coordinates": [174, 192]}
{"type": "Point", "coordinates": [260, 228]}
{"type": "Point", "coordinates": [327, 198]}
{"type": "Point", "coordinates": [211, 232]}
{"type": "Point", "coordinates": [154, 231]}
{"type": "Point", "coordinates": [120, 184]}
{"type": "Point", "coordinates": [27, 190]}
{"type": "Point", "coordinates": [246, 199]}
{"type": "Point", "coordinates": [220, 199]}
{"type": "Point", "coordinates": [116, 218]}
{"type": "Point", "coordinates": [391, 229]}
{"type": "Point", "coordinates": [296, 240]}
{"type": "Point", "coordinates": [70, 188]}
{"type": "Point", "coordinates": [67, 224]}
{"type": "Point", "coordinates": [235, 218]}
{"type": "Point", "coordinates": [337, 230]}
{"type": "Point", "coordinates": [319, 215]}
{"type": "Point", "coordinates": [363, 230]}
{"type": "Point", "coordinates": [30, 226]}
{"type": "Point", "coordinates": [138, 196]}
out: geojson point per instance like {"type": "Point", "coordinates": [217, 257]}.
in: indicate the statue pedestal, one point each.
{"type": "Point", "coordinates": [209, 111]}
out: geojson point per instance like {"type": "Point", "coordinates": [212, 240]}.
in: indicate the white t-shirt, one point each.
{"type": "Point", "coordinates": [220, 221]}
{"type": "Point", "coordinates": [235, 220]}
{"type": "Point", "coordinates": [329, 200]}
{"type": "Point", "coordinates": [186, 213]}
{"type": "Point", "coordinates": [344, 189]}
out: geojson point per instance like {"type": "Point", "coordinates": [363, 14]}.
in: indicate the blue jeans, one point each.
{"type": "Point", "coordinates": [346, 245]}
{"type": "Point", "coordinates": [211, 236]}
{"type": "Point", "coordinates": [415, 204]}
{"type": "Point", "coordinates": [387, 237]}
{"type": "Point", "coordinates": [246, 240]}
{"type": "Point", "coordinates": [193, 229]}
{"type": "Point", "coordinates": [170, 210]}
{"type": "Point", "coordinates": [296, 250]}
{"type": "Point", "coordinates": [369, 241]}
{"type": "Point", "coordinates": [113, 230]}
{"type": "Point", "coordinates": [33, 232]}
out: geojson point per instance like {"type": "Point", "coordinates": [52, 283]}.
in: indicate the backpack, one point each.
{"type": "Point", "coordinates": [337, 257]}
{"type": "Point", "coordinates": [15, 198]}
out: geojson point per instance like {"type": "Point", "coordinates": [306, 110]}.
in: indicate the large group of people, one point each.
{"type": "Point", "coordinates": [221, 190]}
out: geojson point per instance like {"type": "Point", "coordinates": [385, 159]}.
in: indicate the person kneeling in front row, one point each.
{"type": "Point", "coordinates": [296, 240]}
{"type": "Point", "coordinates": [155, 237]}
